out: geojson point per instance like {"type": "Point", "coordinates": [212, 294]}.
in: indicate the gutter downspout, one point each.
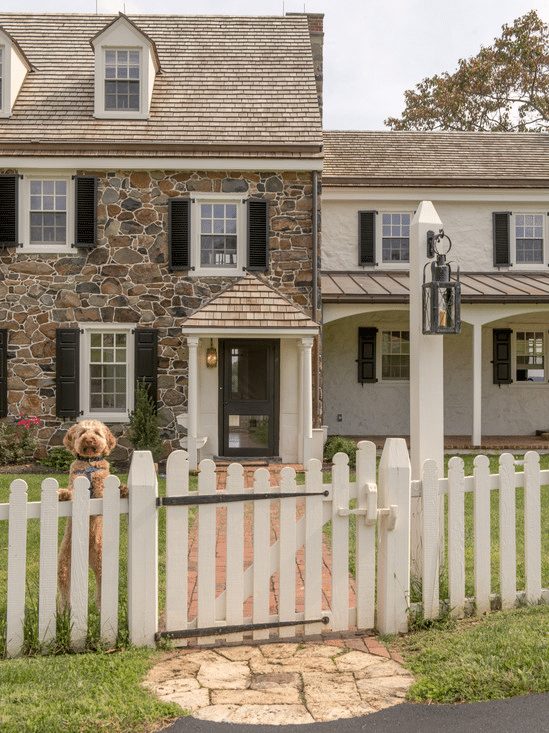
{"type": "Point", "coordinates": [316, 316]}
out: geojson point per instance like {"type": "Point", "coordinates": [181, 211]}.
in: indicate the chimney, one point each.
{"type": "Point", "coordinates": [316, 34]}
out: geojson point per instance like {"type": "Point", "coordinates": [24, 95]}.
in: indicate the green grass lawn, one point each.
{"type": "Point", "coordinates": [503, 654]}
{"type": "Point", "coordinates": [81, 693]}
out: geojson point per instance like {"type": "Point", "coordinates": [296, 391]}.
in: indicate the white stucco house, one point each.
{"type": "Point", "coordinates": [491, 192]}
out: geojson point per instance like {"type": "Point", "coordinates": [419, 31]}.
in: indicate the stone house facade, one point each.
{"type": "Point", "coordinates": [148, 198]}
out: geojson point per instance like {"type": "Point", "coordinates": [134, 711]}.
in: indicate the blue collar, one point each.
{"type": "Point", "coordinates": [88, 471]}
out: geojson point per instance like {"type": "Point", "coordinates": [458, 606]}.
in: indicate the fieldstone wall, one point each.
{"type": "Point", "coordinates": [126, 279]}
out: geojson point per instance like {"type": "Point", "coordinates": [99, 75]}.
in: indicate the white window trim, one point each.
{"type": "Point", "coordinates": [24, 212]}
{"type": "Point", "coordinates": [3, 58]}
{"type": "Point", "coordinates": [241, 240]}
{"type": "Point", "coordinates": [379, 354]}
{"type": "Point", "coordinates": [525, 383]}
{"type": "Point", "coordinates": [87, 413]}
{"type": "Point", "coordinates": [513, 242]}
{"type": "Point", "coordinates": [111, 114]}
{"type": "Point", "coordinates": [379, 241]}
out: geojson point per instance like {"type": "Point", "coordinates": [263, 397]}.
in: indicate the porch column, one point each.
{"type": "Point", "coordinates": [192, 400]}
{"type": "Point", "coordinates": [307, 397]}
{"type": "Point", "coordinates": [477, 384]}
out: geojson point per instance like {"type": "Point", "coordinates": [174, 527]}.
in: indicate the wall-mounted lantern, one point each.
{"type": "Point", "coordinates": [211, 356]}
{"type": "Point", "coordinates": [441, 296]}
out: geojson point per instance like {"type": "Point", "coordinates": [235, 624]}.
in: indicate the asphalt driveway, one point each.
{"type": "Point", "coordinates": [529, 714]}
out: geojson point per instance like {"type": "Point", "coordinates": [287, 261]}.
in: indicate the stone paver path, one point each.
{"type": "Point", "coordinates": [282, 684]}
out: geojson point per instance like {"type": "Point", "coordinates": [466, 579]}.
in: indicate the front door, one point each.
{"type": "Point", "coordinates": [249, 397]}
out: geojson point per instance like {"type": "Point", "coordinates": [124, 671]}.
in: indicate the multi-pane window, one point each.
{"type": "Point", "coordinates": [395, 237]}
{"type": "Point", "coordinates": [530, 356]}
{"type": "Point", "coordinates": [529, 238]}
{"type": "Point", "coordinates": [395, 355]}
{"type": "Point", "coordinates": [218, 235]}
{"type": "Point", "coordinates": [48, 211]}
{"type": "Point", "coordinates": [122, 69]}
{"type": "Point", "coordinates": [108, 371]}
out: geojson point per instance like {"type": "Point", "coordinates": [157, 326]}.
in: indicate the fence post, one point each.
{"type": "Point", "coordinates": [393, 584]}
{"type": "Point", "coordinates": [430, 547]}
{"type": "Point", "coordinates": [142, 550]}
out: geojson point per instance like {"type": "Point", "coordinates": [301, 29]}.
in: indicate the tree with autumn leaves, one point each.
{"type": "Point", "coordinates": [504, 88]}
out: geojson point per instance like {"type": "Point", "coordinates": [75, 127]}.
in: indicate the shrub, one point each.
{"type": "Point", "coordinates": [58, 458]}
{"type": "Point", "coordinates": [17, 441]}
{"type": "Point", "coordinates": [339, 444]}
{"type": "Point", "coordinates": [144, 432]}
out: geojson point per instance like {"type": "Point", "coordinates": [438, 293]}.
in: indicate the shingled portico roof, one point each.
{"type": "Point", "coordinates": [242, 86]}
{"type": "Point", "coordinates": [453, 159]}
{"type": "Point", "coordinates": [250, 305]}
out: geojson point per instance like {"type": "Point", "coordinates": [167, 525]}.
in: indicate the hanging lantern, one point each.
{"type": "Point", "coordinates": [211, 356]}
{"type": "Point", "coordinates": [441, 296]}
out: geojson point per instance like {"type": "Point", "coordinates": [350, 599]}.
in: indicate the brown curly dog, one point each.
{"type": "Point", "coordinates": [90, 441]}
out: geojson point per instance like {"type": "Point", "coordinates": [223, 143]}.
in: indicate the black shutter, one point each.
{"type": "Point", "coordinates": [179, 234]}
{"type": "Point", "coordinates": [502, 355]}
{"type": "Point", "coordinates": [3, 372]}
{"type": "Point", "coordinates": [146, 359]}
{"type": "Point", "coordinates": [367, 338]}
{"type": "Point", "coordinates": [502, 233]}
{"type": "Point", "coordinates": [67, 368]}
{"type": "Point", "coordinates": [85, 214]}
{"type": "Point", "coordinates": [9, 190]}
{"type": "Point", "coordinates": [258, 234]}
{"type": "Point", "coordinates": [367, 237]}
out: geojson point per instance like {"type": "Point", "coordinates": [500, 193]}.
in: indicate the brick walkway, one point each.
{"type": "Point", "coordinates": [221, 514]}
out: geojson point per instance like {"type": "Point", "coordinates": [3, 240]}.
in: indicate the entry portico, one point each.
{"type": "Point", "coordinates": [258, 398]}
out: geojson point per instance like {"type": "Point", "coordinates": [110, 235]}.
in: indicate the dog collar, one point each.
{"type": "Point", "coordinates": [88, 471]}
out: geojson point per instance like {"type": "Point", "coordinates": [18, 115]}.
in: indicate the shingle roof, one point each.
{"type": "Point", "coordinates": [225, 81]}
{"type": "Point", "coordinates": [393, 287]}
{"type": "Point", "coordinates": [436, 159]}
{"type": "Point", "coordinates": [249, 303]}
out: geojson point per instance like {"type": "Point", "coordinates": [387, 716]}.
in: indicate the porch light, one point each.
{"type": "Point", "coordinates": [211, 356]}
{"type": "Point", "coordinates": [441, 296]}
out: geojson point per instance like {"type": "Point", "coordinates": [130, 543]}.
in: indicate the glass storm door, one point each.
{"type": "Point", "coordinates": [249, 397]}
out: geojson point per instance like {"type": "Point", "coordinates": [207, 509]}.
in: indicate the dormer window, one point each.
{"type": "Point", "coordinates": [126, 64]}
{"type": "Point", "coordinates": [122, 75]}
{"type": "Point", "coordinates": [14, 67]}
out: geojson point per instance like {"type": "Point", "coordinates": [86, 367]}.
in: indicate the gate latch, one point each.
{"type": "Point", "coordinates": [370, 512]}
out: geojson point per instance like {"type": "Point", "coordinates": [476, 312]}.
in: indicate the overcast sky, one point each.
{"type": "Point", "coordinates": [373, 49]}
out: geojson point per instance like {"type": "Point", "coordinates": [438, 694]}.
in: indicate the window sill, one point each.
{"type": "Point", "coordinates": [41, 249]}
{"type": "Point", "coordinates": [121, 115]}
{"type": "Point", "coordinates": [218, 272]}
{"type": "Point", "coordinates": [106, 417]}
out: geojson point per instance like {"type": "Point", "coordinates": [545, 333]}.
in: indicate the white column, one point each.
{"type": "Point", "coordinates": [426, 354]}
{"type": "Point", "coordinates": [300, 458]}
{"type": "Point", "coordinates": [307, 397]}
{"type": "Point", "coordinates": [192, 401]}
{"type": "Point", "coordinates": [477, 384]}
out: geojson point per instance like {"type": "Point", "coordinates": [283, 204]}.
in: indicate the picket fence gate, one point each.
{"type": "Point", "coordinates": [431, 488]}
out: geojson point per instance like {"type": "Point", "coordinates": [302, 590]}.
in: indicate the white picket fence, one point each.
{"type": "Point", "coordinates": [382, 569]}
{"type": "Point", "coordinates": [49, 510]}
{"type": "Point", "coordinates": [481, 483]}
